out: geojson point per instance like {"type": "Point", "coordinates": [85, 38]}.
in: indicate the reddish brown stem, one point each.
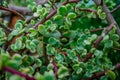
{"type": "Point", "coordinates": [97, 42]}
{"type": "Point", "coordinates": [98, 29]}
{"type": "Point", "coordinates": [88, 10]}
{"type": "Point", "coordinates": [98, 75]}
{"type": "Point", "coordinates": [55, 69]}
{"type": "Point", "coordinates": [13, 71]}
{"type": "Point", "coordinates": [13, 11]}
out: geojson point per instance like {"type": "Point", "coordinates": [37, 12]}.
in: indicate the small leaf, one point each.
{"type": "Point", "coordinates": [52, 41]}
{"type": "Point", "coordinates": [62, 10]}
{"type": "Point", "coordinates": [38, 62]}
{"type": "Point", "coordinates": [109, 44]}
{"type": "Point", "coordinates": [63, 72]}
{"type": "Point", "coordinates": [71, 15]}
{"type": "Point", "coordinates": [111, 75]}
{"type": "Point", "coordinates": [42, 29]}
{"type": "Point", "coordinates": [49, 75]}
{"type": "Point", "coordinates": [18, 26]}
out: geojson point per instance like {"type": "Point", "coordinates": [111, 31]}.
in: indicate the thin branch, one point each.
{"type": "Point", "coordinates": [5, 28]}
{"type": "Point", "coordinates": [97, 42]}
{"type": "Point", "coordinates": [10, 10]}
{"type": "Point", "coordinates": [95, 30]}
{"type": "Point", "coordinates": [98, 75]}
{"type": "Point", "coordinates": [22, 10]}
{"type": "Point", "coordinates": [45, 54]}
{"type": "Point", "coordinates": [109, 16]}
{"type": "Point", "coordinates": [53, 13]}
{"type": "Point", "coordinates": [116, 49]}
{"type": "Point", "coordinates": [115, 9]}
{"type": "Point", "coordinates": [55, 69]}
{"type": "Point", "coordinates": [88, 10]}
{"type": "Point", "coordinates": [13, 71]}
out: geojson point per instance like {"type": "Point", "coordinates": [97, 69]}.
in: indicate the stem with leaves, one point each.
{"type": "Point", "coordinates": [13, 71]}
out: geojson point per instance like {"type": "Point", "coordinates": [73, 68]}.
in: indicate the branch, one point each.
{"type": "Point", "coordinates": [88, 10]}
{"type": "Point", "coordinates": [109, 16]}
{"type": "Point", "coordinates": [98, 29]}
{"type": "Point", "coordinates": [5, 28]}
{"type": "Point", "coordinates": [97, 42]}
{"type": "Point", "coordinates": [98, 75]}
{"type": "Point", "coordinates": [53, 13]}
{"type": "Point", "coordinates": [13, 71]}
{"type": "Point", "coordinates": [12, 11]}
{"type": "Point", "coordinates": [55, 69]}
{"type": "Point", "coordinates": [115, 9]}
{"type": "Point", "coordinates": [22, 10]}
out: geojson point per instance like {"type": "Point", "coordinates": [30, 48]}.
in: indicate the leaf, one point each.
{"type": "Point", "coordinates": [50, 66]}
{"type": "Point", "coordinates": [71, 15]}
{"type": "Point", "coordinates": [38, 62]}
{"type": "Point", "coordinates": [16, 77]}
{"type": "Point", "coordinates": [68, 21]}
{"type": "Point", "coordinates": [52, 41]}
{"type": "Point", "coordinates": [18, 44]}
{"type": "Point", "coordinates": [63, 72]}
{"type": "Point", "coordinates": [109, 44]}
{"type": "Point", "coordinates": [49, 75]}
{"type": "Point", "coordinates": [114, 37]}
{"type": "Point", "coordinates": [62, 10]}
{"type": "Point", "coordinates": [18, 26]}
{"type": "Point", "coordinates": [111, 75]}
{"type": "Point", "coordinates": [13, 64]}
{"type": "Point", "coordinates": [17, 57]}
{"type": "Point", "coordinates": [76, 66]}
{"type": "Point", "coordinates": [33, 31]}
{"type": "Point", "coordinates": [4, 57]}
{"type": "Point", "coordinates": [42, 29]}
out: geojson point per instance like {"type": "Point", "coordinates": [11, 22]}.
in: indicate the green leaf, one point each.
{"type": "Point", "coordinates": [109, 44]}
{"type": "Point", "coordinates": [49, 75]}
{"type": "Point", "coordinates": [114, 37]}
{"type": "Point", "coordinates": [42, 29]}
{"type": "Point", "coordinates": [16, 77]}
{"type": "Point", "coordinates": [18, 44]}
{"type": "Point", "coordinates": [68, 21]}
{"type": "Point", "coordinates": [38, 62]}
{"type": "Point", "coordinates": [63, 72]}
{"type": "Point", "coordinates": [13, 64]}
{"type": "Point", "coordinates": [33, 31]}
{"type": "Point", "coordinates": [4, 57]}
{"type": "Point", "coordinates": [71, 15]}
{"type": "Point", "coordinates": [76, 66]}
{"type": "Point", "coordinates": [111, 75]}
{"type": "Point", "coordinates": [62, 10]}
{"type": "Point", "coordinates": [79, 70]}
{"type": "Point", "coordinates": [18, 26]}
{"type": "Point", "coordinates": [17, 57]}
{"type": "Point", "coordinates": [52, 41]}
{"type": "Point", "coordinates": [50, 66]}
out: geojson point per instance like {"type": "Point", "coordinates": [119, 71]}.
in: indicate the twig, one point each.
{"type": "Point", "coordinates": [53, 13]}
{"type": "Point", "coordinates": [13, 11]}
{"type": "Point", "coordinates": [22, 10]}
{"type": "Point", "coordinates": [88, 10]}
{"type": "Point", "coordinates": [98, 29]}
{"type": "Point", "coordinates": [115, 9]}
{"type": "Point", "coordinates": [55, 69]}
{"type": "Point", "coordinates": [109, 16]}
{"type": "Point", "coordinates": [116, 49]}
{"type": "Point", "coordinates": [98, 75]}
{"type": "Point", "coordinates": [45, 54]}
{"type": "Point", "coordinates": [97, 42]}
{"type": "Point", "coordinates": [13, 71]}
{"type": "Point", "coordinates": [5, 28]}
